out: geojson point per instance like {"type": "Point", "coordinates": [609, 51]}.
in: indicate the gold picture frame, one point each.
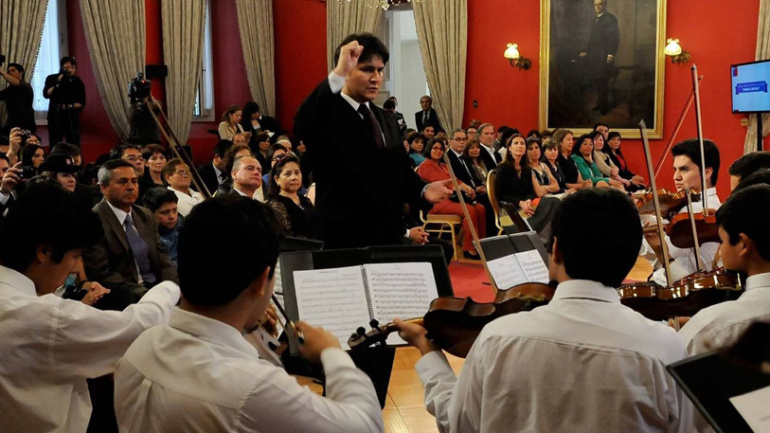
{"type": "Point", "coordinates": [580, 86]}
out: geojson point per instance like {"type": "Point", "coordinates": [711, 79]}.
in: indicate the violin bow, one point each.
{"type": "Point", "coordinates": [655, 200]}
{"type": "Point", "coordinates": [691, 215]}
{"type": "Point", "coordinates": [288, 324]}
{"type": "Point", "coordinates": [475, 235]}
{"type": "Point", "coordinates": [678, 126]}
{"type": "Point", "coordinates": [699, 125]}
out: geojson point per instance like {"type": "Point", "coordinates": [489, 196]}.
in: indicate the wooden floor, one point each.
{"type": "Point", "coordinates": [404, 410]}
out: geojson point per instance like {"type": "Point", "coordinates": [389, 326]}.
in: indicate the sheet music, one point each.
{"type": "Point", "coordinates": [402, 290]}
{"type": "Point", "coordinates": [533, 266]}
{"type": "Point", "coordinates": [278, 289]}
{"type": "Point", "coordinates": [334, 299]}
{"type": "Point", "coordinates": [754, 409]}
{"type": "Point", "coordinates": [506, 271]}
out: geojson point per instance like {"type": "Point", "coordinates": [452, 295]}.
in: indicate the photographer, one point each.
{"type": "Point", "coordinates": [18, 99]}
{"type": "Point", "coordinates": [67, 97]}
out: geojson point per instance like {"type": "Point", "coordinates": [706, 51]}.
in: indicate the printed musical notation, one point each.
{"type": "Point", "coordinates": [518, 268]}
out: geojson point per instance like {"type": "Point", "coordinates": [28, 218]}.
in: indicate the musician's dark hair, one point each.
{"type": "Point", "coordinates": [243, 244]}
{"type": "Point", "coordinates": [373, 46]}
{"type": "Point", "coordinates": [759, 177]}
{"type": "Point", "coordinates": [691, 149]}
{"type": "Point", "coordinates": [605, 219]}
{"type": "Point", "coordinates": [272, 187]}
{"type": "Point", "coordinates": [749, 163]}
{"type": "Point", "coordinates": [46, 214]}
{"type": "Point", "coordinates": [154, 198]}
{"type": "Point", "coordinates": [745, 211]}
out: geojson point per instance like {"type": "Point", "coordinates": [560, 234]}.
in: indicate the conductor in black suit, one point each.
{"type": "Point", "coordinates": [360, 167]}
{"type": "Point", "coordinates": [602, 46]}
{"type": "Point", "coordinates": [427, 116]}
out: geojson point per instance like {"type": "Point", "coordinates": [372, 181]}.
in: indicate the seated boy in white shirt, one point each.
{"type": "Point", "coordinates": [198, 373]}
{"type": "Point", "coordinates": [582, 363]}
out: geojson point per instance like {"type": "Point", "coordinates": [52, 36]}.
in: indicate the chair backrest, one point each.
{"type": "Point", "coordinates": [492, 194]}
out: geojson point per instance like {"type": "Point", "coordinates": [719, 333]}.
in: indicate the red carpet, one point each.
{"type": "Point", "coordinates": [470, 279]}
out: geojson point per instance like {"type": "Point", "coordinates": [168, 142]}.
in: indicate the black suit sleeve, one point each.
{"type": "Point", "coordinates": [50, 81]}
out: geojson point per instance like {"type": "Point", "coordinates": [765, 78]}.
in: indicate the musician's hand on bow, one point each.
{"type": "Point", "coordinates": [415, 335]}
{"type": "Point", "coordinates": [438, 191]}
{"type": "Point", "coordinates": [349, 55]}
{"type": "Point", "coordinates": [316, 341]}
{"type": "Point", "coordinates": [270, 320]}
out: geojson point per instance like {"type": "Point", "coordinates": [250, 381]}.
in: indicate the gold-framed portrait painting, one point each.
{"type": "Point", "coordinates": [602, 61]}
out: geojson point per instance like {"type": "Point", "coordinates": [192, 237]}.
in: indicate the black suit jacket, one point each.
{"type": "Point", "coordinates": [489, 162]}
{"type": "Point", "coordinates": [209, 176]}
{"type": "Point", "coordinates": [360, 188]}
{"type": "Point", "coordinates": [70, 91]}
{"type": "Point", "coordinates": [432, 120]}
{"type": "Point", "coordinates": [462, 171]}
{"type": "Point", "coordinates": [111, 262]}
{"type": "Point", "coordinates": [604, 38]}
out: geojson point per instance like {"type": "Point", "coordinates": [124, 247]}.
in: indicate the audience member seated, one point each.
{"type": "Point", "coordinates": [275, 153]}
{"type": "Point", "coordinates": [215, 173]}
{"type": "Point", "coordinates": [286, 143]}
{"type": "Point", "coordinates": [434, 169]}
{"type": "Point", "coordinates": [155, 158]}
{"type": "Point", "coordinates": [32, 155]}
{"type": "Point", "coordinates": [259, 144]}
{"type": "Point", "coordinates": [613, 150]}
{"type": "Point", "coordinates": [472, 132]}
{"type": "Point", "coordinates": [232, 153]}
{"type": "Point", "coordinates": [573, 179]}
{"type": "Point", "coordinates": [472, 158]}
{"type": "Point", "coordinates": [163, 204]}
{"type": "Point", "coordinates": [295, 213]}
{"type": "Point", "coordinates": [745, 248]}
{"type": "Point", "coordinates": [253, 121]}
{"type": "Point", "coordinates": [543, 175]}
{"type": "Point", "coordinates": [179, 178]}
{"type": "Point", "coordinates": [429, 132]}
{"type": "Point", "coordinates": [489, 154]}
{"type": "Point", "coordinates": [583, 156]}
{"type": "Point", "coordinates": [133, 154]}
{"type": "Point", "coordinates": [247, 179]}
{"type": "Point", "coordinates": [51, 345]}
{"type": "Point", "coordinates": [551, 160]}
{"type": "Point", "coordinates": [71, 150]}
{"type": "Point", "coordinates": [241, 138]}
{"type": "Point", "coordinates": [466, 174]}
{"type": "Point", "coordinates": [231, 123]}
{"type": "Point", "coordinates": [61, 168]}
{"type": "Point", "coordinates": [416, 148]}
{"type": "Point", "coordinates": [582, 363]}
{"type": "Point", "coordinates": [131, 256]}
{"type": "Point", "coordinates": [746, 165]}
{"type": "Point", "coordinates": [503, 138]}
{"type": "Point", "coordinates": [200, 364]}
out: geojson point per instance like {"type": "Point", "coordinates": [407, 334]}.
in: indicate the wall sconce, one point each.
{"type": "Point", "coordinates": [513, 56]}
{"type": "Point", "coordinates": [674, 50]}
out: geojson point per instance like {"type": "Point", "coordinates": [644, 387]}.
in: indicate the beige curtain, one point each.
{"type": "Point", "coordinates": [255, 23]}
{"type": "Point", "coordinates": [183, 26]}
{"type": "Point", "coordinates": [344, 18]}
{"type": "Point", "coordinates": [763, 52]}
{"type": "Point", "coordinates": [116, 43]}
{"type": "Point", "coordinates": [21, 27]}
{"type": "Point", "coordinates": [442, 31]}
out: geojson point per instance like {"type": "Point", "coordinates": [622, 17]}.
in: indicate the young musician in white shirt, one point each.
{"type": "Point", "coordinates": [582, 363]}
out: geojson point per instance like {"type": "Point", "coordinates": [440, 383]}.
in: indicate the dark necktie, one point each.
{"type": "Point", "coordinates": [373, 125]}
{"type": "Point", "coordinates": [467, 170]}
{"type": "Point", "coordinates": [425, 115]}
{"type": "Point", "coordinates": [140, 250]}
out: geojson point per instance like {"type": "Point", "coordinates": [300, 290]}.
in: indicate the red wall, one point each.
{"type": "Point", "coordinates": [509, 96]}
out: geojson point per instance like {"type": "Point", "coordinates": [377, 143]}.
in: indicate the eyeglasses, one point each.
{"type": "Point", "coordinates": [182, 172]}
{"type": "Point", "coordinates": [278, 158]}
{"type": "Point", "coordinates": [134, 158]}
{"type": "Point", "coordinates": [460, 139]}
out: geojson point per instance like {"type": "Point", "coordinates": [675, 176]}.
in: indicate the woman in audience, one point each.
{"type": "Point", "coordinates": [613, 150]}
{"type": "Point", "coordinates": [163, 204]}
{"type": "Point", "coordinates": [155, 155]}
{"type": "Point", "coordinates": [177, 175]}
{"type": "Point", "coordinates": [583, 156]}
{"type": "Point", "coordinates": [32, 155]}
{"type": "Point", "coordinates": [434, 169]}
{"type": "Point", "coordinates": [231, 123]}
{"type": "Point", "coordinates": [543, 176]}
{"type": "Point", "coordinates": [250, 117]}
{"type": "Point", "coordinates": [472, 156]}
{"type": "Point", "coordinates": [275, 153]}
{"type": "Point", "coordinates": [515, 182]}
{"type": "Point", "coordinates": [572, 177]}
{"type": "Point", "coordinates": [550, 159]}
{"type": "Point", "coordinates": [295, 212]}
{"type": "Point", "coordinates": [259, 143]}
{"type": "Point", "coordinates": [416, 148]}
{"type": "Point", "coordinates": [603, 160]}
{"type": "Point", "coordinates": [61, 168]}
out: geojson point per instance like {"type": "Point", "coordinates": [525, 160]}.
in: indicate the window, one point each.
{"type": "Point", "coordinates": [52, 45]}
{"type": "Point", "coordinates": [204, 98]}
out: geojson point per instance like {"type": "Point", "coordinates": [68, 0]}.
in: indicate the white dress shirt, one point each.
{"type": "Point", "coordinates": [198, 374]}
{"type": "Point", "coordinates": [684, 262]}
{"type": "Point", "coordinates": [490, 151]}
{"type": "Point", "coordinates": [722, 324]}
{"type": "Point", "coordinates": [186, 202]}
{"type": "Point", "coordinates": [582, 363]}
{"type": "Point", "coordinates": [51, 345]}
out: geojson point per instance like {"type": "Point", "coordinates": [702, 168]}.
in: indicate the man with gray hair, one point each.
{"type": "Point", "coordinates": [131, 258]}
{"type": "Point", "coordinates": [247, 178]}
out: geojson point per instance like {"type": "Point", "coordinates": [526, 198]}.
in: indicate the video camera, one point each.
{"type": "Point", "coordinates": [139, 89]}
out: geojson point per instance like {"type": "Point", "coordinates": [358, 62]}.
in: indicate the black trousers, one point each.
{"type": "Point", "coordinates": [64, 125]}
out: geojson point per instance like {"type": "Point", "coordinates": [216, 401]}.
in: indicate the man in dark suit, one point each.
{"type": "Point", "coordinates": [67, 98]}
{"type": "Point", "coordinates": [247, 179]}
{"type": "Point", "coordinates": [600, 52]}
{"type": "Point", "coordinates": [463, 170]}
{"type": "Point", "coordinates": [488, 154]}
{"type": "Point", "coordinates": [360, 167]}
{"type": "Point", "coordinates": [427, 116]}
{"type": "Point", "coordinates": [131, 256]}
{"type": "Point", "coordinates": [215, 173]}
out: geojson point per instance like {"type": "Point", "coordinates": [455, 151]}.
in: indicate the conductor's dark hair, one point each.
{"type": "Point", "coordinates": [749, 163]}
{"type": "Point", "coordinates": [240, 222]}
{"type": "Point", "coordinates": [745, 211]}
{"type": "Point", "coordinates": [759, 177]}
{"type": "Point", "coordinates": [373, 46]}
{"type": "Point", "coordinates": [691, 149]}
{"type": "Point", "coordinates": [607, 220]}
{"type": "Point", "coordinates": [46, 214]}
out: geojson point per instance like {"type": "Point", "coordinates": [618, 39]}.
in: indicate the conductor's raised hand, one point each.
{"type": "Point", "coordinates": [316, 341]}
{"type": "Point", "coordinates": [349, 55]}
{"type": "Point", "coordinates": [415, 335]}
{"type": "Point", "coordinates": [438, 191]}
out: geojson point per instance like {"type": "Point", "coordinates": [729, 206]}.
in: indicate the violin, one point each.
{"type": "Point", "coordinates": [670, 203]}
{"type": "Point", "coordinates": [680, 232]}
{"type": "Point", "coordinates": [683, 298]}
{"type": "Point", "coordinates": [454, 323]}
